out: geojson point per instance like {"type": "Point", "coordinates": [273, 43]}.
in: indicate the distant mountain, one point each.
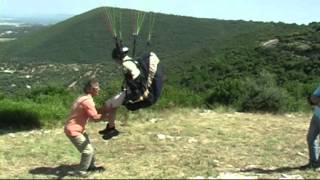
{"type": "Point", "coordinates": [36, 19]}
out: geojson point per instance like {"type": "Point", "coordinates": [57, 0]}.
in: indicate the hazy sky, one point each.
{"type": "Point", "coordinates": [289, 11]}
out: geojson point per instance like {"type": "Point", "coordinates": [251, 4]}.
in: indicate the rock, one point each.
{"type": "Point", "coordinates": [9, 71]}
{"type": "Point", "coordinates": [251, 167]}
{"type": "Point", "coordinates": [229, 166]}
{"type": "Point", "coordinates": [228, 175]}
{"type": "Point", "coordinates": [287, 176]}
{"type": "Point", "coordinates": [290, 115]}
{"type": "Point", "coordinates": [178, 137]}
{"type": "Point", "coordinates": [216, 161]}
{"type": "Point", "coordinates": [75, 69]}
{"type": "Point", "coordinates": [170, 137]}
{"type": "Point", "coordinates": [303, 47]}
{"type": "Point", "coordinates": [11, 135]}
{"type": "Point", "coordinates": [164, 137]}
{"type": "Point", "coordinates": [72, 84]}
{"type": "Point", "coordinates": [26, 134]}
{"type": "Point", "coordinates": [87, 73]}
{"type": "Point", "coordinates": [192, 140]}
{"type": "Point", "coordinates": [198, 177]}
{"type": "Point", "coordinates": [269, 44]}
{"type": "Point", "coordinates": [298, 46]}
{"type": "Point", "coordinates": [154, 120]}
{"type": "Point", "coordinates": [161, 136]}
{"type": "Point", "coordinates": [301, 154]}
{"type": "Point", "coordinates": [206, 111]}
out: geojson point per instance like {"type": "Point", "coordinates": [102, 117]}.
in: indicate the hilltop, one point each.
{"type": "Point", "coordinates": [85, 38]}
{"type": "Point", "coordinates": [176, 143]}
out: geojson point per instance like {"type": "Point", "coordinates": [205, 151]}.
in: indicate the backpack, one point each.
{"type": "Point", "coordinates": [146, 89]}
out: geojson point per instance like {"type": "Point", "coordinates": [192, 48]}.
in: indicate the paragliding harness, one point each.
{"type": "Point", "coordinates": [144, 90]}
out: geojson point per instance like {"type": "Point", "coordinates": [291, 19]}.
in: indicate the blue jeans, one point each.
{"type": "Point", "coordinates": [313, 145]}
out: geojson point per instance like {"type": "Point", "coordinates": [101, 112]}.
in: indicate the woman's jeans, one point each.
{"type": "Point", "coordinates": [313, 144]}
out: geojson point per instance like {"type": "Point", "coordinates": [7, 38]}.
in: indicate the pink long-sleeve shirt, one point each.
{"type": "Point", "coordinates": [83, 109]}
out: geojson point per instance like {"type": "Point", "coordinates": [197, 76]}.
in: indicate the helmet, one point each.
{"type": "Point", "coordinates": [119, 53]}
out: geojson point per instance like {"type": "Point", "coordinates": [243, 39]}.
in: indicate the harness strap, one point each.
{"type": "Point", "coordinates": [152, 71]}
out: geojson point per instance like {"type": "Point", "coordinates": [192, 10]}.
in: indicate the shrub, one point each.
{"type": "Point", "coordinates": [298, 93]}
{"type": "Point", "coordinates": [15, 115]}
{"type": "Point", "coordinates": [226, 92]}
{"type": "Point", "coordinates": [264, 99]}
{"type": "Point", "coordinates": [45, 106]}
{"type": "Point", "coordinates": [179, 97]}
{"type": "Point", "coordinates": [263, 95]}
{"type": "Point", "coordinates": [2, 95]}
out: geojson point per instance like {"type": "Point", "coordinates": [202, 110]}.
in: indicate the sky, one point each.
{"type": "Point", "coordinates": [287, 11]}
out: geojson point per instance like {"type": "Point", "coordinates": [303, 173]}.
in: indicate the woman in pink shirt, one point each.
{"type": "Point", "coordinates": [82, 111]}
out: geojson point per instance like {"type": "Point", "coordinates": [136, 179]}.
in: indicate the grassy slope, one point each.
{"type": "Point", "coordinates": [200, 143]}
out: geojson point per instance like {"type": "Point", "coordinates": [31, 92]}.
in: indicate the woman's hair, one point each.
{"type": "Point", "coordinates": [89, 84]}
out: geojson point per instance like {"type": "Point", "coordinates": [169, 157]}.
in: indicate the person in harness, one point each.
{"type": "Point", "coordinates": [142, 86]}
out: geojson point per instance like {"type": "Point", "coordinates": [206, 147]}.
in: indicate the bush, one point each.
{"type": "Point", "coordinates": [226, 92]}
{"type": "Point", "coordinates": [261, 99]}
{"type": "Point", "coordinates": [263, 95]}
{"type": "Point", "coordinates": [15, 115]}
{"type": "Point", "coordinates": [179, 97]}
{"type": "Point", "coordinates": [45, 106]}
{"type": "Point", "coordinates": [2, 95]}
{"type": "Point", "coordinates": [298, 93]}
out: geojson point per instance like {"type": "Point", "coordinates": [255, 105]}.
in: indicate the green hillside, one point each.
{"type": "Point", "coordinates": [251, 66]}
{"type": "Point", "coordinates": [85, 38]}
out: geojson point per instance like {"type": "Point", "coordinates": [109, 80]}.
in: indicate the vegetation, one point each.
{"type": "Point", "coordinates": [232, 66]}
{"type": "Point", "coordinates": [49, 106]}
{"type": "Point", "coordinates": [247, 66]}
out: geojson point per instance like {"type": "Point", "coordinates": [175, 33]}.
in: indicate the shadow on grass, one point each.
{"type": "Point", "coordinates": [59, 171]}
{"type": "Point", "coordinates": [15, 120]}
{"type": "Point", "coordinates": [276, 170]}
